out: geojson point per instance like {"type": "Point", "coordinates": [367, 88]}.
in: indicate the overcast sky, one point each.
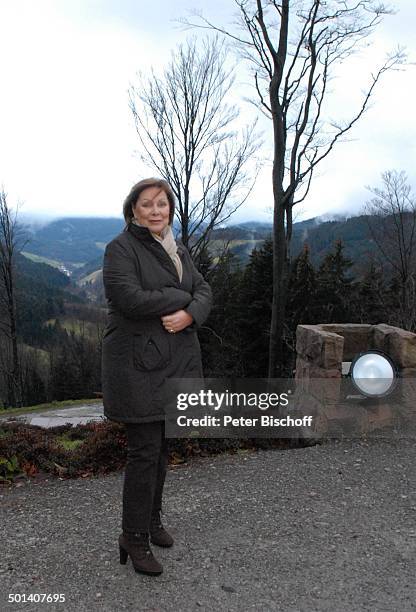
{"type": "Point", "coordinates": [67, 138]}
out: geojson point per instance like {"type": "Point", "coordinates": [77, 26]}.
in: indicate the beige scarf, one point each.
{"type": "Point", "coordinates": [167, 240]}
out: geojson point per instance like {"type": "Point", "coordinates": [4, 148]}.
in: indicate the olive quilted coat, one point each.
{"type": "Point", "coordinates": [141, 284]}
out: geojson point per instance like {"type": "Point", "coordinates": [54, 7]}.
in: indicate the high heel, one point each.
{"type": "Point", "coordinates": [137, 546]}
{"type": "Point", "coordinates": [158, 534]}
{"type": "Point", "coordinates": [123, 555]}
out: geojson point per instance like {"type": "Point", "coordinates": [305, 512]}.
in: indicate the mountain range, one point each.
{"type": "Point", "coordinates": [76, 245]}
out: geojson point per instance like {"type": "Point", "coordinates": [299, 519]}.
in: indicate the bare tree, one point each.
{"type": "Point", "coordinates": [186, 129]}
{"type": "Point", "coordinates": [10, 242]}
{"type": "Point", "coordinates": [294, 48]}
{"type": "Point", "coordinates": [392, 224]}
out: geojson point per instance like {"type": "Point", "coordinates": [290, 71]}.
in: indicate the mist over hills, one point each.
{"type": "Point", "coordinates": [76, 245]}
{"type": "Point", "coordinates": [75, 241]}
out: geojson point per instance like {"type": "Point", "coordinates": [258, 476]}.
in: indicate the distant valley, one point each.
{"type": "Point", "coordinates": [75, 245]}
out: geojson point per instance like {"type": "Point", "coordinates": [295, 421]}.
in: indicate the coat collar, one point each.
{"type": "Point", "coordinates": [143, 233]}
{"type": "Point", "coordinates": [140, 232]}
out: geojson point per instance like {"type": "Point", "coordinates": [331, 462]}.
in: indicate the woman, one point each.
{"type": "Point", "coordinates": [156, 301]}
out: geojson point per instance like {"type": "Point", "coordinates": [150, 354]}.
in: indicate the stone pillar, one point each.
{"type": "Point", "coordinates": [318, 373]}
{"type": "Point", "coordinates": [321, 349]}
{"type": "Point", "coordinates": [399, 345]}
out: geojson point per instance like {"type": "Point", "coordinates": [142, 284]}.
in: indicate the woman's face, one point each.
{"type": "Point", "coordinates": [152, 209]}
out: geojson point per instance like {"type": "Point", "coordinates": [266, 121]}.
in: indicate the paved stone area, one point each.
{"type": "Point", "coordinates": [325, 528]}
{"type": "Point", "coordinates": [75, 415]}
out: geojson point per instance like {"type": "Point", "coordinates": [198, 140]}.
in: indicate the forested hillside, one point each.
{"type": "Point", "coordinates": [74, 240]}
{"type": "Point", "coordinates": [78, 243]}
{"type": "Point", "coordinates": [337, 275]}
{"type": "Point", "coordinates": [41, 292]}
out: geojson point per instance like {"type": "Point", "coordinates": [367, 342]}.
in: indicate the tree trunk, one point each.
{"type": "Point", "coordinates": [15, 377]}
{"type": "Point", "coordinates": [279, 238]}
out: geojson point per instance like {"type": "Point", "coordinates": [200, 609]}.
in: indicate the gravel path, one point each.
{"type": "Point", "coordinates": [329, 527]}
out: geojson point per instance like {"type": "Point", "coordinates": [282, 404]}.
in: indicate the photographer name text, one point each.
{"type": "Point", "coordinates": [229, 421]}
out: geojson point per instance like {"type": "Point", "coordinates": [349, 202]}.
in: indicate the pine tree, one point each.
{"type": "Point", "coordinates": [204, 262]}
{"type": "Point", "coordinates": [64, 382]}
{"type": "Point", "coordinates": [302, 290]}
{"type": "Point", "coordinates": [254, 314]}
{"type": "Point", "coordinates": [222, 349]}
{"type": "Point", "coordinates": [335, 289]}
{"type": "Point", "coordinates": [372, 304]}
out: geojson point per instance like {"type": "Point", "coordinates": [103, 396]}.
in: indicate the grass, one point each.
{"type": "Point", "coordinates": [41, 355]}
{"type": "Point", "coordinates": [55, 263]}
{"type": "Point", "coordinates": [76, 325]}
{"type": "Point", "coordinates": [218, 243]}
{"type": "Point", "coordinates": [92, 277]}
{"type": "Point", "coordinates": [39, 259]}
{"type": "Point", "coordinates": [49, 406]}
{"type": "Point", "coordinates": [99, 448]}
{"type": "Point", "coordinates": [67, 443]}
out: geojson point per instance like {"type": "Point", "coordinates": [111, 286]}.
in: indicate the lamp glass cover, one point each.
{"type": "Point", "coordinates": [373, 374]}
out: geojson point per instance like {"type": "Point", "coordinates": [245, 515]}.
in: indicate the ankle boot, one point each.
{"type": "Point", "coordinates": [137, 546]}
{"type": "Point", "coordinates": [158, 534]}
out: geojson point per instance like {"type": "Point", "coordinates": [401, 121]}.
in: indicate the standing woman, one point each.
{"type": "Point", "coordinates": [156, 301]}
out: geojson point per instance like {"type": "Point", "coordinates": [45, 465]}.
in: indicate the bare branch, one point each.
{"type": "Point", "coordinates": [293, 49]}
{"type": "Point", "coordinates": [185, 127]}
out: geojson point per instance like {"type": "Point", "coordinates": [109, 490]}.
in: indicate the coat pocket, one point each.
{"type": "Point", "coordinates": [150, 353]}
{"type": "Point", "coordinates": [110, 329]}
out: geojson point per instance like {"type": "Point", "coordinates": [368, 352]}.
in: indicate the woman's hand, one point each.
{"type": "Point", "coordinates": [177, 321]}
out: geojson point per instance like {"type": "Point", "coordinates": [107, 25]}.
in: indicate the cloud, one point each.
{"type": "Point", "coordinates": [68, 138]}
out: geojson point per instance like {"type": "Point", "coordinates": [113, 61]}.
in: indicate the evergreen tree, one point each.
{"type": "Point", "coordinates": [372, 303]}
{"type": "Point", "coordinates": [254, 311]}
{"type": "Point", "coordinates": [73, 368]}
{"type": "Point", "coordinates": [335, 289]}
{"type": "Point", "coordinates": [222, 350]}
{"type": "Point", "coordinates": [302, 290]}
{"type": "Point", "coordinates": [34, 387]}
{"type": "Point", "coordinates": [204, 262]}
{"type": "Point", "coordinates": [394, 305]}
{"type": "Point", "coordinates": [64, 376]}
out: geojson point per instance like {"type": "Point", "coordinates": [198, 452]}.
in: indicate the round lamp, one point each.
{"type": "Point", "coordinates": [373, 374]}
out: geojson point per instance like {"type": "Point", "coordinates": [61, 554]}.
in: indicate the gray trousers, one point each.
{"type": "Point", "coordinates": [144, 477]}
